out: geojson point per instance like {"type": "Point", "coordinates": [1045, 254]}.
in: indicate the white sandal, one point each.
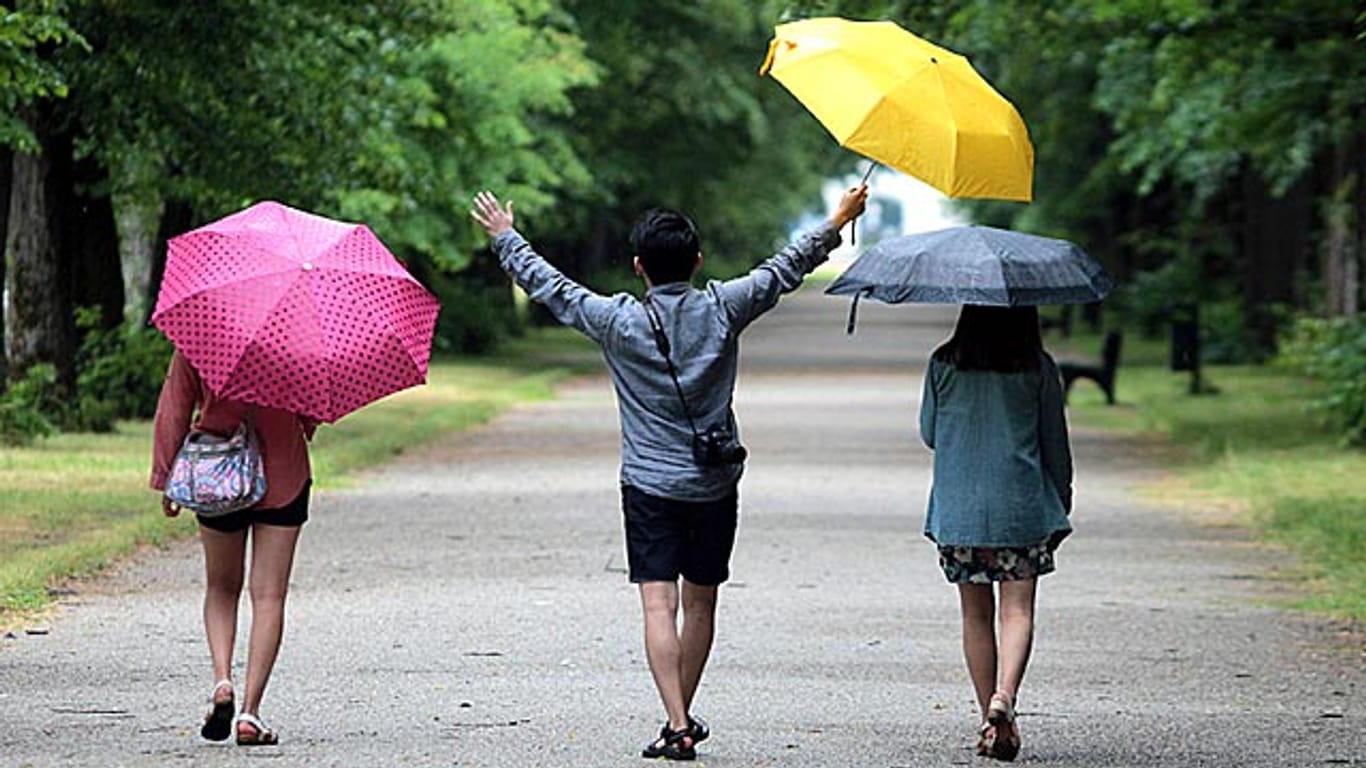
{"type": "Point", "coordinates": [263, 735]}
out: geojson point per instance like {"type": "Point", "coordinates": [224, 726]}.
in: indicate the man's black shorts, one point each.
{"type": "Point", "coordinates": [667, 538]}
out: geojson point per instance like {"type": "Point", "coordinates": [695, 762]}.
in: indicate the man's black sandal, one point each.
{"type": "Point", "coordinates": [697, 729]}
{"type": "Point", "coordinates": [672, 745]}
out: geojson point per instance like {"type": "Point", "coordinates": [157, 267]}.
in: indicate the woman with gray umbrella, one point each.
{"type": "Point", "coordinates": [992, 412]}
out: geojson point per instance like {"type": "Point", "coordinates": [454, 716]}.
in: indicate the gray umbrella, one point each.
{"type": "Point", "coordinates": [974, 265]}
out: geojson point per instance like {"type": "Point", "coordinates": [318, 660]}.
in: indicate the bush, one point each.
{"type": "Point", "coordinates": [1223, 333]}
{"type": "Point", "coordinates": [28, 407]}
{"type": "Point", "coordinates": [474, 317]}
{"type": "Point", "coordinates": [1333, 351]}
{"type": "Point", "coordinates": [120, 374]}
{"type": "Point", "coordinates": [1148, 299]}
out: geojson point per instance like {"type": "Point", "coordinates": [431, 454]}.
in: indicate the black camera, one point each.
{"type": "Point", "coordinates": [717, 447]}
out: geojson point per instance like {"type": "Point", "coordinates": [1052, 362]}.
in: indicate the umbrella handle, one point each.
{"type": "Point", "coordinates": [853, 314]}
{"type": "Point", "coordinates": [853, 223]}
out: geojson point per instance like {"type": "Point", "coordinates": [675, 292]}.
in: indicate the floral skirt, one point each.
{"type": "Point", "coordinates": [984, 565]}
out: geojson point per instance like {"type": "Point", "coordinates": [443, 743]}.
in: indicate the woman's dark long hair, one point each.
{"type": "Point", "coordinates": [1002, 339]}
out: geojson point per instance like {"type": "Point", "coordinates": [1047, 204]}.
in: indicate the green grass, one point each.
{"type": "Point", "coordinates": [1248, 454]}
{"type": "Point", "coordinates": [73, 504]}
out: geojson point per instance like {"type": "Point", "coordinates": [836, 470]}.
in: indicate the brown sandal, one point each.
{"type": "Point", "coordinates": [1001, 714]}
{"type": "Point", "coordinates": [986, 739]}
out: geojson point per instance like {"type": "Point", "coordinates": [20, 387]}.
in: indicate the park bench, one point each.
{"type": "Point", "coordinates": [1102, 374]}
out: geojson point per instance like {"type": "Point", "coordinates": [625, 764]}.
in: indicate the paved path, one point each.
{"type": "Point", "coordinates": [467, 606]}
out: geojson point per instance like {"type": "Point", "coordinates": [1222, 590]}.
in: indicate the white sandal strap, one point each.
{"type": "Point", "coordinates": [253, 721]}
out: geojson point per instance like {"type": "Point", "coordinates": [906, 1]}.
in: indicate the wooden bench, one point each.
{"type": "Point", "coordinates": [1103, 374]}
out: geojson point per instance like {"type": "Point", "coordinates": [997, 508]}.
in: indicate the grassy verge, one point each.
{"type": "Point", "coordinates": [72, 504]}
{"type": "Point", "coordinates": [1251, 451]}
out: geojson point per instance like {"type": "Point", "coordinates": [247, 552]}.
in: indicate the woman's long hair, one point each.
{"type": "Point", "coordinates": [1001, 339]}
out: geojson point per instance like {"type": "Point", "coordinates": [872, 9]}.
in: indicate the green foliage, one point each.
{"type": "Point", "coordinates": [471, 107]}
{"type": "Point", "coordinates": [1224, 338]}
{"type": "Point", "coordinates": [1333, 351]}
{"type": "Point", "coordinates": [25, 73]}
{"type": "Point", "coordinates": [1250, 457]}
{"type": "Point", "coordinates": [120, 372]}
{"type": "Point", "coordinates": [1149, 298]}
{"type": "Point", "coordinates": [473, 318]}
{"type": "Point", "coordinates": [27, 406]}
{"type": "Point", "coordinates": [680, 118]}
{"type": "Point", "coordinates": [1331, 534]}
{"type": "Point", "coordinates": [392, 113]}
{"type": "Point", "coordinates": [1196, 89]}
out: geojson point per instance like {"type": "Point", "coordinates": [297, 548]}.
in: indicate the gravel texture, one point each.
{"type": "Point", "coordinates": [468, 606]}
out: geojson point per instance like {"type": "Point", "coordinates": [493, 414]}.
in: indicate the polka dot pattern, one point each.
{"type": "Point", "coordinates": [291, 310]}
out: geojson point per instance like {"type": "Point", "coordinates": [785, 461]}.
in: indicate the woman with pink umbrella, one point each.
{"type": "Point", "coordinates": [273, 526]}
{"type": "Point", "coordinates": [281, 320]}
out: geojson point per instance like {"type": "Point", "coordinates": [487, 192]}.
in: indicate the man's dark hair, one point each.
{"type": "Point", "coordinates": [1003, 339]}
{"type": "Point", "coordinates": [667, 244]}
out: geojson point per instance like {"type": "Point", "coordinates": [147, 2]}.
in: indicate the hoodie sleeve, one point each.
{"type": "Point", "coordinates": [929, 405]}
{"type": "Point", "coordinates": [175, 409]}
{"type": "Point", "coordinates": [1054, 447]}
{"type": "Point", "coordinates": [569, 302]}
{"type": "Point", "coordinates": [746, 298]}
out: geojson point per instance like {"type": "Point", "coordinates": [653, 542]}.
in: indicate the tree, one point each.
{"type": "Point", "coordinates": [681, 119]}
{"type": "Point", "coordinates": [33, 326]}
{"type": "Point", "coordinates": [381, 111]}
{"type": "Point", "coordinates": [1218, 144]}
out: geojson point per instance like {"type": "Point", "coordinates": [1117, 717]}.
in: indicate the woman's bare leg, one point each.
{"type": "Point", "coordinates": [1017, 633]}
{"type": "Point", "coordinates": [978, 604]}
{"type": "Point", "coordinates": [223, 567]}
{"type": "Point", "coordinates": [272, 557]}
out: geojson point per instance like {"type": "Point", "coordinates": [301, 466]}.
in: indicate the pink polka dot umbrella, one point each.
{"type": "Point", "coordinates": [290, 310]}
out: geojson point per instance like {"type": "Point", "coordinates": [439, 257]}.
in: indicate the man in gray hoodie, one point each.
{"type": "Point", "coordinates": [673, 358]}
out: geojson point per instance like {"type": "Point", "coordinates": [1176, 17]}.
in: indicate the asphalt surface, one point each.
{"type": "Point", "coordinates": [468, 606]}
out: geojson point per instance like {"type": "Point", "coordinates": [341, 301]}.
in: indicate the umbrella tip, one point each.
{"type": "Point", "coordinates": [768, 57]}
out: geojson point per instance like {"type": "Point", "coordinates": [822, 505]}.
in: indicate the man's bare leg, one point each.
{"type": "Point", "coordinates": [699, 629]}
{"type": "Point", "coordinates": [663, 650]}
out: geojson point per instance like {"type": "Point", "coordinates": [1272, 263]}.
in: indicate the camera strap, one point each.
{"type": "Point", "coordinates": [662, 342]}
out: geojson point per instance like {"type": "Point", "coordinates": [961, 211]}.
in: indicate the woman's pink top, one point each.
{"type": "Point", "coordinates": [282, 436]}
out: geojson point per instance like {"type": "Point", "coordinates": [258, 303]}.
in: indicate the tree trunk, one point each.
{"type": "Point", "coordinates": [39, 318]}
{"type": "Point", "coordinates": [1275, 243]}
{"type": "Point", "coordinates": [6, 158]}
{"type": "Point", "coordinates": [137, 220]}
{"type": "Point", "coordinates": [1359, 170]}
{"type": "Point", "coordinates": [1341, 213]}
{"type": "Point", "coordinates": [176, 219]}
{"type": "Point", "coordinates": [97, 280]}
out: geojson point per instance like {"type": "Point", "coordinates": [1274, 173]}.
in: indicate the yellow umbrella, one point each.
{"type": "Point", "coordinates": [907, 103]}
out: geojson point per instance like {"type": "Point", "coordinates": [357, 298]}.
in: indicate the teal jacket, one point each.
{"type": "Point", "coordinates": [1002, 465]}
